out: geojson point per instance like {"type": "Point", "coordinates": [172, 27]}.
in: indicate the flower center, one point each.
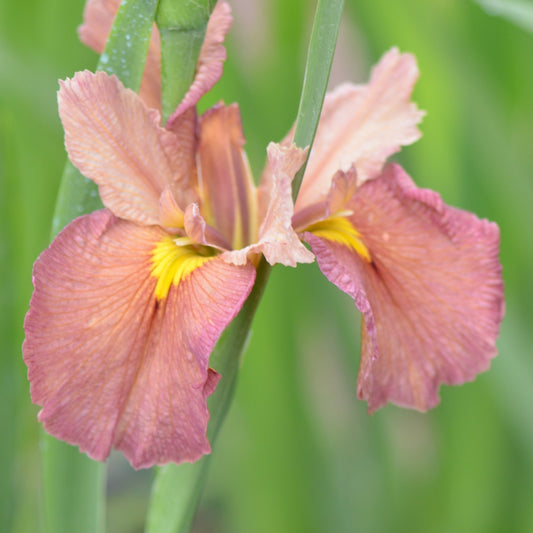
{"type": "Point", "coordinates": [173, 259]}
{"type": "Point", "coordinates": [339, 229]}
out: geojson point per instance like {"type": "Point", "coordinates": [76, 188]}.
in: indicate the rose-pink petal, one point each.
{"type": "Point", "coordinates": [211, 59]}
{"type": "Point", "coordinates": [363, 125]}
{"type": "Point", "coordinates": [113, 139]}
{"type": "Point", "coordinates": [111, 365]}
{"type": "Point", "coordinates": [432, 298]}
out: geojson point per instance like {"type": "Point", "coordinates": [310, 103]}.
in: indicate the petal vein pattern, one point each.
{"type": "Point", "coordinates": [112, 365]}
{"type": "Point", "coordinates": [173, 260]}
{"type": "Point", "coordinates": [431, 298]}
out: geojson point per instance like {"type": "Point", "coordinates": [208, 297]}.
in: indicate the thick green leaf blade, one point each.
{"type": "Point", "coordinates": [127, 45]}
{"type": "Point", "coordinates": [182, 27]}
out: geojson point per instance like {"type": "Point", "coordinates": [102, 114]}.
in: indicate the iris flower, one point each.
{"type": "Point", "coordinates": [129, 301]}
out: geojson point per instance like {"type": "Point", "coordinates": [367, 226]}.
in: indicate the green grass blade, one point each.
{"type": "Point", "coordinates": [74, 489]}
{"type": "Point", "coordinates": [319, 59]}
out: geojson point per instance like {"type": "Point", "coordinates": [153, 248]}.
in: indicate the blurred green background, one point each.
{"type": "Point", "coordinates": [298, 453]}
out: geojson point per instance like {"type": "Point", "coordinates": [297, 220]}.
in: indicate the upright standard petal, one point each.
{"type": "Point", "coordinates": [363, 125]}
{"type": "Point", "coordinates": [113, 139]}
{"type": "Point", "coordinates": [431, 294]}
{"type": "Point", "coordinates": [225, 181]}
{"type": "Point", "coordinates": [180, 146]}
{"type": "Point", "coordinates": [112, 364]}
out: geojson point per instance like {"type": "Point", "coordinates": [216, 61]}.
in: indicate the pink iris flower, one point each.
{"type": "Point", "coordinates": [130, 300]}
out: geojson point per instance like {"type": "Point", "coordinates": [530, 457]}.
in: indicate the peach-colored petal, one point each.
{"type": "Point", "coordinates": [200, 232]}
{"type": "Point", "coordinates": [277, 239]}
{"type": "Point", "coordinates": [227, 190]}
{"type": "Point", "coordinates": [171, 216]}
{"type": "Point", "coordinates": [343, 187]}
{"type": "Point", "coordinates": [113, 366]}
{"type": "Point", "coordinates": [362, 126]}
{"type": "Point", "coordinates": [432, 297]}
{"type": "Point", "coordinates": [210, 61]}
{"type": "Point", "coordinates": [116, 141]}
{"type": "Point", "coordinates": [180, 147]}
{"type": "Point", "coordinates": [98, 17]}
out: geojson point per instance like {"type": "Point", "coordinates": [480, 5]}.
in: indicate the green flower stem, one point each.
{"type": "Point", "coordinates": [73, 484]}
{"type": "Point", "coordinates": [177, 488]}
{"type": "Point", "coordinates": [319, 60]}
{"type": "Point", "coordinates": [182, 25]}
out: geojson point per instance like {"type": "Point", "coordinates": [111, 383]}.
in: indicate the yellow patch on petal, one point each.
{"type": "Point", "coordinates": [173, 259]}
{"type": "Point", "coordinates": [339, 229]}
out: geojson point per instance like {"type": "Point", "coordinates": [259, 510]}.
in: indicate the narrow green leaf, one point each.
{"type": "Point", "coordinates": [319, 60]}
{"type": "Point", "coordinates": [74, 485]}
{"type": "Point", "coordinates": [177, 488]}
{"type": "Point", "coordinates": [182, 28]}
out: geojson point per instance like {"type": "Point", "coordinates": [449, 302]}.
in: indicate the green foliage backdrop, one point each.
{"type": "Point", "coordinates": [298, 452]}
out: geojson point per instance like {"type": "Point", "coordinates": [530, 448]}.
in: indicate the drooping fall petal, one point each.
{"type": "Point", "coordinates": [363, 125]}
{"type": "Point", "coordinates": [432, 297]}
{"type": "Point", "coordinates": [98, 17]}
{"type": "Point", "coordinates": [113, 139]}
{"type": "Point", "coordinates": [211, 59]}
{"type": "Point", "coordinates": [112, 365]}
